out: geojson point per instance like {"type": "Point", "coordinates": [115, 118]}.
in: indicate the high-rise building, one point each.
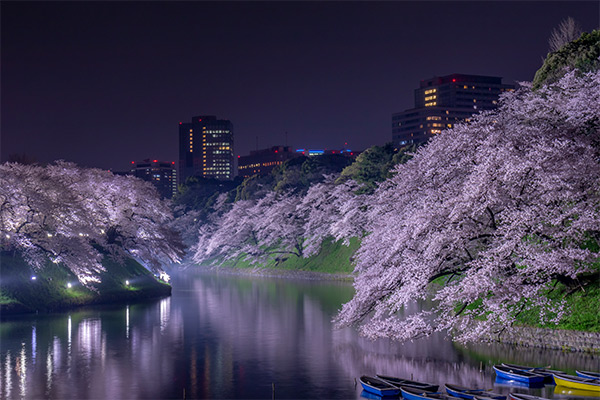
{"type": "Point", "coordinates": [162, 174]}
{"type": "Point", "coordinates": [206, 148]}
{"type": "Point", "coordinates": [442, 102]}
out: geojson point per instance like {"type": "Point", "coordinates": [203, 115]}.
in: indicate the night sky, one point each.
{"type": "Point", "coordinates": [106, 83]}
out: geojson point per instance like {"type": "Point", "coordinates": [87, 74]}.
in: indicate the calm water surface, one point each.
{"type": "Point", "coordinates": [224, 336]}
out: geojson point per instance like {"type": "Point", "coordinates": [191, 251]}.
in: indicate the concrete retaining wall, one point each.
{"type": "Point", "coordinates": [588, 342]}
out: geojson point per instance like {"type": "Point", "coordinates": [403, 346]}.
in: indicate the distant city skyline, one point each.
{"type": "Point", "coordinates": [104, 83]}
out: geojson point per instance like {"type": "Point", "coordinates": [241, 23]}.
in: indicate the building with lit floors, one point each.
{"type": "Point", "coordinates": [161, 174]}
{"type": "Point", "coordinates": [262, 162]}
{"type": "Point", "coordinates": [442, 102]}
{"type": "Point", "coordinates": [206, 148]}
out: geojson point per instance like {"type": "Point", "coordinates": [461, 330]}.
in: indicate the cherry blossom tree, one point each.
{"type": "Point", "coordinates": [75, 216]}
{"type": "Point", "coordinates": [285, 223]}
{"type": "Point", "coordinates": [485, 219]}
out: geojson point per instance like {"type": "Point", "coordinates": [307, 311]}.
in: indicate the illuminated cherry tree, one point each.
{"type": "Point", "coordinates": [280, 224]}
{"type": "Point", "coordinates": [67, 214]}
{"type": "Point", "coordinates": [485, 219]}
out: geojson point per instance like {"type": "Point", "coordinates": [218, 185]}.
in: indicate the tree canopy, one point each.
{"type": "Point", "coordinates": [496, 211]}
{"type": "Point", "coordinates": [582, 54]}
{"type": "Point", "coordinates": [76, 216]}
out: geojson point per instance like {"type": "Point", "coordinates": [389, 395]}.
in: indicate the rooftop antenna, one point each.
{"type": "Point", "coordinates": [257, 143]}
{"type": "Point", "coordinates": [285, 138]}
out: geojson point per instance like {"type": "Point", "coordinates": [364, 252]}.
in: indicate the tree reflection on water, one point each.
{"type": "Point", "coordinates": [223, 336]}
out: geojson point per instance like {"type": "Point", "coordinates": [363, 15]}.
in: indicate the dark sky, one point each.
{"type": "Point", "coordinates": [105, 83]}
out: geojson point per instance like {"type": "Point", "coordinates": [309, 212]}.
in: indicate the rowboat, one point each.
{"type": "Point", "coordinates": [485, 397]}
{"type": "Point", "coordinates": [588, 374]}
{"type": "Point", "coordinates": [577, 382]}
{"type": "Point", "coordinates": [518, 375]}
{"type": "Point", "coordinates": [570, 392]}
{"type": "Point", "coordinates": [408, 383]}
{"type": "Point", "coordinates": [547, 373]}
{"type": "Point", "coordinates": [467, 393]}
{"type": "Point", "coordinates": [520, 396]}
{"type": "Point", "coordinates": [418, 394]}
{"type": "Point", "coordinates": [378, 387]}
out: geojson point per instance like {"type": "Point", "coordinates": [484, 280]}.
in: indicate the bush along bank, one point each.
{"type": "Point", "coordinates": [54, 287]}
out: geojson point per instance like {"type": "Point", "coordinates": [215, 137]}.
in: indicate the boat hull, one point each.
{"type": "Point", "coordinates": [392, 380]}
{"type": "Point", "coordinates": [511, 374]}
{"type": "Point", "coordinates": [378, 387]}
{"type": "Point", "coordinates": [588, 374]}
{"type": "Point", "coordinates": [577, 382]}
{"type": "Point", "coordinates": [469, 393]}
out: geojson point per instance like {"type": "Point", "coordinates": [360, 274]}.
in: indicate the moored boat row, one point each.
{"type": "Point", "coordinates": [386, 386]}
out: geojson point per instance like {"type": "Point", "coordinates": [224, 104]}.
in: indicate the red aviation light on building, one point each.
{"type": "Point", "coordinates": [276, 151]}
{"type": "Point", "coordinates": [453, 80]}
{"type": "Point", "coordinates": [172, 162]}
{"type": "Point", "coordinates": [133, 162]}
{"type": "Point", "coordinates": [239, 156]}
{"type": "Point", "coordinates": [154, 160]}
{"type": "Point", "coordinates": [180, 123]}
{"type": "Point", "coordinates": [200, 120]}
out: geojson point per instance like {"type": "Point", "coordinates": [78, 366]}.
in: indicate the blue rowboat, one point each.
{"type": "Point", "coordinates": [520, 396]}
{"type": "Point", "coordinates": [588, 374]}
{"type": "Point", "coordinates": [506, 383]}
{"type": "Point", "coordinates": [378, 387]}
{"type": "Point", "coordinates": [408, 383]}
{"type": "Point", "coordinates": [418, 394]}
{"type": "Point", "coordinates": [518, 375]}
{"type": "Point", "coordinates": [547, 373]}
{"type": "Point", "coordinates": [469, 393]}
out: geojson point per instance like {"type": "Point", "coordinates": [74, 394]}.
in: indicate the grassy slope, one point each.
{"type": "Point", "coordinates": [583, 306]}
{"type": "Point", "coordinates": [18, 293]}
{"type": "Point", "coordinates": [333, 258]}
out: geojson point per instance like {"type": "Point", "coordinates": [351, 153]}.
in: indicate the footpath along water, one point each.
{"type": "Point", "coordinates": [236, 337]}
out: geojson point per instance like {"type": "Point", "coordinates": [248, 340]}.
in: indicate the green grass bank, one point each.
{"type": "Point", "coordinates": [332, 258]}
{"type": "Point", "coordinates": [50, 290]}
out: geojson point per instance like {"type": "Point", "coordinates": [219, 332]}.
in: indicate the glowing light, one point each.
{"type": "Point", "coordinates": [127, 283]}
{"type": "Point", "coordinates": [453, 80]}
{"type": "Point", "coordinates": [155, 161]}
{"type": "Point", "coordinates": [50, 235]}
{"type": "Point", "coordinates": [69, 285]}
{"type": "Point", "coordinates": [164, 276]}
{"type": "Point", "coordinates": [8, 236]}
{"type": "Point", "coordinates": [33, 278]}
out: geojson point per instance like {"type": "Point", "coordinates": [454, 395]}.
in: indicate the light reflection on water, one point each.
{"type": "Point", "coordinates": [223, 336]}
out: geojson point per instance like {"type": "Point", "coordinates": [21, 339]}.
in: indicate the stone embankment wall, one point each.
{"type": "Point", "coordinates": [588, 342]}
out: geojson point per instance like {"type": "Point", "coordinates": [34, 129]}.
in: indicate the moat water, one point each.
{"type": "Point", "coordinates": [237, 337]}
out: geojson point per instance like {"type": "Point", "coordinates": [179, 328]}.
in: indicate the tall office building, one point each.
{"type": "Point", "coordinates": [206, 148]}
{"type": "Point", "coordinates": [162, 174]}
{"type": "Point", "coordinates": [441, 102]}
